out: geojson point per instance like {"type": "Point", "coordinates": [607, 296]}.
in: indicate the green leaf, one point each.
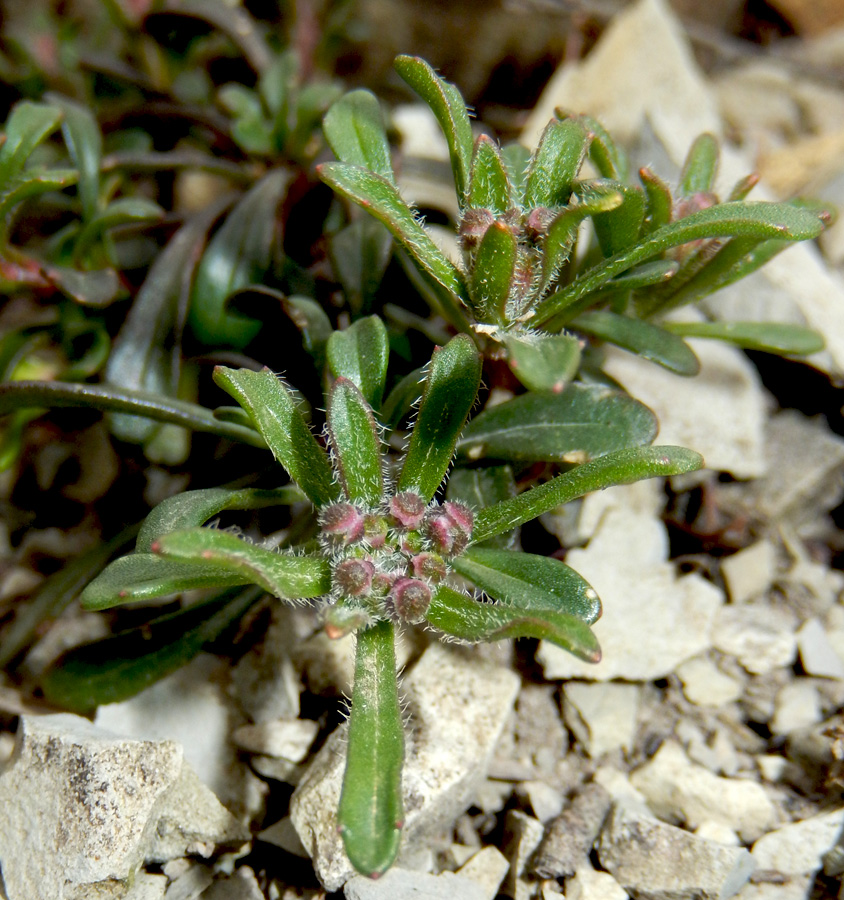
{"type": "Point", "coordinates": [31, 183]}
{"type": "Point", "coordinates": [272, 408]}
{"type": "Point", "coordinates": [58, 394]}
{"type": "Point", "coordinates": [402, 398]}
{"type": "Point", "coordinates": [84, 142]}
{"type": "Point", "coordinates": [482, 487]}
{"type": "Point", "coordinates": [555, 163]}
{"type": "Point", "coordinates": [97, 288]}
{"type": "Point", "coordinates": [516, 159]}
{"type": "Point", "coordinates": [643, 338]}
{"type": "Point", "coordinates": [658, 201]}
{"type": "Point", "coordinates": [607, 157]}
{"type": "Point", "coordinates": [655, 273]}
{"type": "Point", "coordinates": [354, 129]}
{"type": "Point", "coordinates": [700, 167]}
{"type": "Point", "coordinates": [250, 129]}
{"type": "Point", "coordinates": [473, 621]}
{"type": "Point", "coordinates": [492, 273]}
{"type": "Point", "coordinates": [489, 186]}
{"type": "Point", "coordinates": [761, 220]}
{"type": "Point", "coordinates": [145, 576]}
{"type": "Point", "coordinates": [121, 666]}
{"type": "Point", "coordinates": [622, 467]}
{"type": "Point", "coordinates": [370, 813]}
{"type": "Point", "coordinates": [240, 253]}
{"type": "Point", "coordinates": [360, 254]}
{"type": "Point", "coordinates": [581, 423]}
{"type": "Point", "coordinates": [194, 508]}
{"type": "Point", "coordinates": [27, 126]}
{"type": "Point", "coordinates": [543, 362]}
{"type": "Point", "coordinates": [450, 392]}
{"type": "Point", "coordinates": [357, 447]}
{"type": "Point", "coordinates": [450, 111]}
{"type": "Point", "coordinates": [381, 199]}
{"type": "Point", "coordinates": [619, 228]}
{"type": "Point", "coordinates": [123, 211]}
{"type": "Point", "coordinates": [361, 353]}
{"type": "Point", "coordinates": [527, 581]}
{"type": "Point", "coordinates": [771, 337]}
{"type": "Point", "coordinates": [283, 575]}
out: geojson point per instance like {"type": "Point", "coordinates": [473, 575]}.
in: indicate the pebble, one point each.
{"type": "Point", "coordinates": [797, 706]}
{"type": "Point", "coordinates": [545, 801]}
{"type": "Point", "coordinates": [288, 739]}
{"type": "Point", "coordinates": [750, 572]}
{"type": "Point", "coordinates": [653, 620]}
{"type": "Point", "coordinates": [798, 848]}
{"type": "Point", "coordinates": [587, 884]}
{"type": "Point", "coordinates": [522, 835]}
{"type": "Point", "coordinates": [458, 708]}
{"type": "Point", "coordinates": [652, 860]}
{"type": "Point", "coordinates": [488, 868]}
{"type": "Point", "coordinates": [760, 636]}
{"type": "Point", "coordinates": [405, 884]}
{"type": "Point", "coordinates": [679, 790]}
{"type": "Point", "coordinates": [243, 885]}
{"type": "Point", "coordinates": [817, 655]}
{"type": "Point", "coordinates": [704, 684]}
{"type": "Point", "coordinates": [602, 715]}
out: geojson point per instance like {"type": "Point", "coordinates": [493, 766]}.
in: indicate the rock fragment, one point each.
{"type": "Point", "coordinates": [704, 684]}
{"type": "Point", "coordinates": [760, 636]}
{"type": "Point", "coordinates": [588, 884]}
{"type": "Point", "coordinates": [603, 715]}
{"type": "Point", "coordinates": [522, 834]}
{"type": "Point", "coordinates": [750, 572]}
{"type": "Point", "coordinates": [817, 655]}
{"type": "Point", "coordinates": [799, 848]}
{"type": "Point", "coordinates": [288, 739]}
{"type": "Point", "coordinates": [797, 706]}
{"type": "Point", "coordinates": [487, 867]}
{"type": "Point", "coordinates": [404, 884]}
{"type": "Point", "coordinates": [458, 708]}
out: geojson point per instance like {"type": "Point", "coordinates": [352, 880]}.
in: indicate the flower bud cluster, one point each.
{"type": "Point", "coordinates": [388, 562]}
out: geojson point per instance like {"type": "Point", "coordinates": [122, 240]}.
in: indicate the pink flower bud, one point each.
{"type": "Point", "coordinates": [342, 522]}
{"type": "Point", "coordinates": [429, 566]}
{"type": "Point", "coordinates": [409, 599]}
{"type": "Point", "coordinates": [354, 577]}
{"type": "Point", "coordinates": [408, 510]}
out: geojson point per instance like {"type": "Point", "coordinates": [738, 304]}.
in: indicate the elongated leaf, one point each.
{"type": "Point", "coordinates": [619, 228]}
{"type": "Point", "coordinates": [121, 666]}
{"type": "Point", "coordinates": [97, 288]}
{"type": "Point", "coordinates": [622, 467]}
{"type": "Point", "coordinates": [360, 254]}
{"type": "Point", "coordinates": [771, 337]}
{"type": "Point", "coordinates": [31, 183]}
{"type": "Point", "coordinates": [700, 167]}
{"type": "Point", "coordinates": [479, 488]}
{"type": "Point", "coordinates": [84, 142]}
{"type": "Point", "coordinates": [361, 353]}
{"type": "Point", "coordinates": [28, 125]}
{"type": "Point", "coordinates": [646, 340]}
{"type": "Point", "coordinates": [516, 159]}
{"type": "Point", "coordinates": [543, 362]}
{"type": "Point", "coordinates": [123, 211]}
{"type": "Point", "coordinates": [528, 581]}
{"type": "Point", "coordinates": [357, 447]}
{"type": "Point", "coordinates": [370, 811]}
{"type": "Point", "coordinates": [58, 394]}
{"type": "Point", "coordinates": [145, 576]}
{"type": "Point", "coordinates": [273, 410]}
{"type": "Point", "coordinates": [658, 201]}
{"type": "Point", "coordinates": [194, 508]}
{"type": "Point", "coordinates": [283, 575]}
{"type": "Point", "coordinates": [492, 273]}
{"type": "Point", "coordinates": [475, 622]}
{"type": "Point", "coordinates": [402, 398]}
{"type": "Point", "coordinates": [450, 111]}
{"type": "Point", "coordinates": [354, 129]}
{"type": "Point", "coordinates": [655, 273]}
{"type": "Point", "coordinates": [489, 187]}
{"type": "Point", "coordinates": [581, 423]}
{"type": "Point", "coordinates": [450, 392]}
{"type": "Point", "coordinates": [378, 197]}
{"type": "Point", "coordinates": [607, 157]}
{"type": "Point", "coordinates": [555, 163]}
{"type": "Point", "coordinates": [763, 220]}
{"type": "Point", "coordinates": [240, 253]}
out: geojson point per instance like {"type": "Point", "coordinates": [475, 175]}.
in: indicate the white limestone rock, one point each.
{"type": "Point", "coordinates": [523, 835]}
{"type": "Point", "coordinates": [750, 572]}
{"type": "Point", "coordinates": [587, 884]}
{"type": "Point", "coordinates": [681, 791]}
{"type": "Point", "coordinates": [704, 684]}
{"type": "Point", "coordinates": [404, 884]}
{"type": "Point", "coordinates": [602, 715]}
{"type": "Point", "coordinates": [655, 861]}
{"type": "Point", "coordinates": [797, 706]}
{"type": "Point", "coordinates": [457, 710]}
{"type": "Point", "coordinates": [817, 655]}
{"type": "Point", "coordinates": [288, 739]}
{"type": "Point", "coordinates": [760, 636]}
{"type": "Point", "coordinates": [487, 868]}
{"type": "Point", "coordinates": [653, 620]}
{"type": "Point", "coordinates": [798, 848]}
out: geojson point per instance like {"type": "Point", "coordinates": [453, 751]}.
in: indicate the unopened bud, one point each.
{"type": "Point", "coordinates": [429, 565]}
{"type": "Point", "coordinates": [341, 620]}
{"type": "Point", "coordinates": [408, 510]}
{"type": "Point", "coordinates": [449, 528]}
{"type": "Point", "coordinates": [375, 530]}
{"type": "Point", "coordinates": [353, 577]}
{"type": "Point", "coordinates": [410, 599]}
{"type": "Point", "coordinates": [342, 522]}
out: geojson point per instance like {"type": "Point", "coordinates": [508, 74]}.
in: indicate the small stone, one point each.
{"type": "Point", "coordinates": [190, 885]}
{"type": "Point", "coordinates": [760, 636]}
{"type": "Point", "coordinates": [404, 884]}
{"type": "Point", "coordinates": [588, 884]}
{"type": "Point", "coordinates": [798, 848]}
{"type": "Point", "coordinates": [704, 684]}
{"type": "Point", "coordinates": [602, 716]}
{"type": "Point", "coordinates": [282, 770]}
{"type": "Point", "coordinates": [535, 741]}
{"type": "Point", "coordinates": [797, 887]}
{"type": "Point", "coordinates": [679, 790]}
{"type": "Point", "coordinates": [146, 886]}
{"type": "Point", "coordinates": [750, 572]}
{"type": "Point", "coordinates": [545, 801]}
{"type": "Point", "coordinates": [486, 868]}
{"type": "Point", "coordinates": [816, 653]}
{"type": "Point", "coordinates": [797, 706]}
{"type": "Point", "coordinates": [718, 832]}
{"type": "Point", "coordinates": [522, 835]}
{"type": "Point", "coordinates": [242, 885]}
{"type": "Point", "coordinates": [283, 834]}
{"type": "Point", "coordinates": [458, 708]}
{"type": "Point", "coordinates": [771, 767]}
{"type": "Point", "coordinates": [655, 861]}
{"type": "Point", "coordinates": [285, 738]}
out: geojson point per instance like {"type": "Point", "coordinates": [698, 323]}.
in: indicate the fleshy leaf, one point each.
{"type": "Point", "coordinates": [771, 337]}
{"type": "Point", "coordinates": [361, 353]}
{"type": "Point", "coordinates": [658, 201]}
{"type": "Point", "coordinates": [85, 144]}
{"type": "Point", "coordinates": [119, 667]}
{"type": "Point", "coordinates": [543, 362]}
{"type": "Point", "coordinates": [240, 253]}
{"type": "Point", "coordinates": [527, 581]}
{"type": "Point", "coordinates": [283, 575]}
{"type": "Point", "coordinates": [475, 622]}
{"type": "Point", "coordinates": [31, 183]}
{"type": "Point", "coordinates": [492, 273]}
{"type": "Point", "coordinates": [619, 228]}
{"type": "Point", "coordinates": [516, 159]}
{"type": "Point", "coordinates": [354, 128]}
{"type": "Point", "coordinates": [489, 187]}
{"type": "Point", "coordinates": [642, 338]}
{"type": "Point", "coordinates": [450, 392]}
{"type": "Point", "coordinates": [371, 813]}
{"type": "Point", "coordinates": [607, 157]}
{"type": "Point", "coordinates": [357, 447]}
{"type": "Point", "coordinates": [622, 467]}
{"type": "Point", "coordinates": [122, 211]}
{"type": "Point", "coordinates": [450, 111]}
{"type": "Point", "coordinates": [700, 167]}
{"type": "Point", "coordinates": [27, 126]}
{"type": "Point", "coordinates": [272, 408]}
{"type": "Point", "coordinates": [581, 423]}
{"type": "Point", "coordinates": [555, 163]}
{"type": "Point", "coordinates": [360, 254]}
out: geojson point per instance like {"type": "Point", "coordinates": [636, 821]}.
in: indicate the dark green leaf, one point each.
{"type": "Point", "coordinates": [658, 202]}
{"type": "Point", "coordinates": [98, 288]}
{"type": "Point", "coordinates": [640, 337]}
{"type": "Point", "coordinates": [555, 163]}
{"type": "Point", "coordinates": [527, 581]}
{"type": "Point", "coordinates": [622, 467]}
{"type": "Point", "coordinates": [85, 144]}
{"type": "Point", "coordinates": [700, 167]}
{"type": "Point", "coordinates": [370, 813]}
{"type": "Point", "coordinates": [619, 228]}
{"type": "Point", "coordinates": [450, 392]}
{"type": "Point", "coordinates": [354, 128]}
{"type": "Point", "coordinates": [489, 187]}
{"type": "Point", "coordinates": [770, 337]}
{"type": "Point", "coordinates": [581, 423]}
{"type": "Point", "coordinates": [123, 211]}
{"type": "Point", "coordinates": [607, 157]}
{"type": "Point", "coordinates": [360, 254]}
{"type": "Point", "coordinates": [272, 408]}
{"type": "Point", "coordinates": [402, 398]}
{"type": "Point", "coordinates": [27, 126]}
{"type": "Point", "coordinates": [492, 273]}
{"type": "Point", "coordinates": [31, 183]}
{"type": "Point", "coordinates": [357, 447]}
{"type": "Point", "coordinates": [543, 362]}
{"type": "Point", "coordinates": [516, 159]}
{"type": "Point", "coordinates": [361, 353]}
